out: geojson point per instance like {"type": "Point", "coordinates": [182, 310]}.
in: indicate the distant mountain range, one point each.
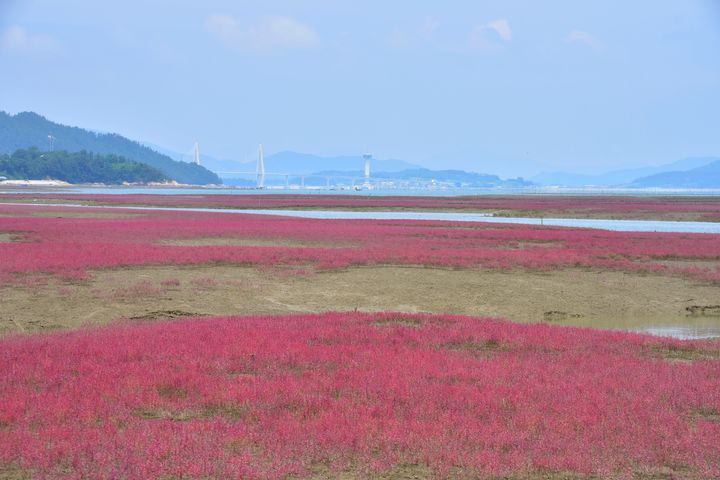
{"type": "Point", "coordinates": [667, 175]}
{"type": "Point", "coordinates": [296, 164]}
{"type": "Point", "coordinates": [705, 176]}
{"type": "Point", "coordinates": [685, 173]}
{"type": "Point", "coordinates": [28, 129]}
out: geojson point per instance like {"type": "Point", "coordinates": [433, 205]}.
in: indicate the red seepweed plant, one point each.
{"type": "Point", "coordinates": [279, 397]}
{"type": "Point", "coordinates": [69, 247]}
{"type": "Point", "coordinates": [706, 208]}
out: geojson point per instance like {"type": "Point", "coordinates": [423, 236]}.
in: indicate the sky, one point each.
{"type": "Point", "coordinates": [507, 87]}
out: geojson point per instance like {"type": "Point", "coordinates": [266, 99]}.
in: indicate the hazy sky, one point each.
{"type": "Point", "coordinates": [508, 87]}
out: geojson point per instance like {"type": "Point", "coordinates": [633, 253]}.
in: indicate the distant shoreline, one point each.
{"type": "Point", "coordinates": [43, 186]}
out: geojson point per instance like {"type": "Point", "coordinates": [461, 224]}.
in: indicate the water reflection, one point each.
{"type": "Point", "coordinates": [684, 332]}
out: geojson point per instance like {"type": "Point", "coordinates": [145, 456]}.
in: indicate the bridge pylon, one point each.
{"type": "Point", "coordinates": [260, 168]}
{"type": "Point", "coordinates": [196, 153]}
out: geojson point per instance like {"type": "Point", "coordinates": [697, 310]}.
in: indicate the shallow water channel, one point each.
{"type": "Point", "coordinates": [708, 328]}
{"type": "Point", "coordinates": [664, 226]}
{"type": "Point", "coordinates": [615, 225]}
{"type": "Point", "coordinates": [685, 332]}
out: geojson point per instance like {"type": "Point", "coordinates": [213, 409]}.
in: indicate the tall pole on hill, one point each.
{"type": "Point", "coordinates": [196, 154]}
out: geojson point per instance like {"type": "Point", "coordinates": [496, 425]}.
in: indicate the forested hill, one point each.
{"type": "Point", "coordinates": [76, 167]}
{"type": "Point", "coordinates": [28, 129]}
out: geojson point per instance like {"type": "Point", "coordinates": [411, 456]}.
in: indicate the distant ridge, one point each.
{"type": "Point", "coordinates": [707, 176]}
{"type": "Point", "coordinates": [28, 129]}
{"type": "Point", "coordinates": [618, 177]}
{"type": "Point", "coordinates": [295, 163]}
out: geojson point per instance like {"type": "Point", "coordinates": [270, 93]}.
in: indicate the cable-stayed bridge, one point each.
{"type": "Point", "coordinates": [261, 175]}
{"type": "Point", "coordinates": [329, 179]}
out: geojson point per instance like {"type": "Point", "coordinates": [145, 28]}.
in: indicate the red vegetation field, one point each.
{"type": "Point", "coordinates": [698, 208]}
{"type": "Point", "coordinates": [70, 246]}
{"type": "Point", "coordinates": [272, 397]}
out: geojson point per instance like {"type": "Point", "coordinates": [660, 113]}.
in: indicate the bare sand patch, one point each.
{"type": "Point", "coordinates": [567, 297]}
{"type": "Point", "coordinates": [402, 472]}
{"type": "Point", "coordinates": [710, 263]}
{"type": "Point", "coordinates": [421, 472]}
{"type": "Point", "coordinates": [525, 244]}
{"type": "Point", "coordinates": [709, 415]}
{"type": "Point", "coordinates": [8, 237]}
{"type": "Point", "coordinates": [8, 472]}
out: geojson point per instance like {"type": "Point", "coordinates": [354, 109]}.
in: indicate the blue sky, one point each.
{"type": "Point", "coordinates": [508, 87]}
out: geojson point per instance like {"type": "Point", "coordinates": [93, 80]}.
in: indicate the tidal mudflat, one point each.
{"type": "Point", "coordinates": [221, 345]}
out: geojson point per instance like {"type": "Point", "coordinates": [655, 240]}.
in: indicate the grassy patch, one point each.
{"type": "Point", "coordinates": [228, 411]}
{"type": "Point", "coordinates": [477, 346]}
{"type": "Point", "coordinates": [559, 316]}
{"type": "Point", "coordinates": [703, 310]}
{"type": "Point", "coordinates": [683, 353]}
{"type": "Point", "coordinates": [708, 414]}
{"type": "Point", "coordinates": [7, 237]}
{"type": "Point", "coordinates": [165, 315]}
{"type": "Point", "coordinates": [9, 472]}
{"type": "Point", "coordinates": [398, 322]}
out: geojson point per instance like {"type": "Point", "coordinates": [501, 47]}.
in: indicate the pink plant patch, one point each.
{"type": "Point", "coordinates": [703, 206]}
{"type": "Point", "coordinates": [69, 247]}
{"type": "Point", "coordinates": [279, 397]}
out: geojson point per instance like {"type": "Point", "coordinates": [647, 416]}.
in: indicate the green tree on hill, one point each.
{"type": "Point", "coordinates": [28, 129]}
{"type": "Point", "coordinates": [76, 167]}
